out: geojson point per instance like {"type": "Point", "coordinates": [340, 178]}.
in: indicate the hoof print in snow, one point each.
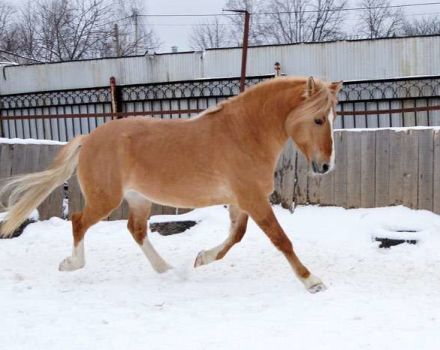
{"type": "Point", "coordinates": [391, 242]}
{"type": "Point", "coordinates": [19, 230]}
{"type": "Point", "coordinates": [172, 227]}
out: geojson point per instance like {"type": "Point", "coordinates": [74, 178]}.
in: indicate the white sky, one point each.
{"type": "Point", "coordinates": [176, 31]}
{"type": "Point", "coordinates": [173, 31]}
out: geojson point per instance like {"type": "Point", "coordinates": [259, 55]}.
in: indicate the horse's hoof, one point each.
{"type": "Point", "coordinates": [317, 288]}
{"type": "Point", "coordinates": [313, 284]}
{"type": "Point", "coordinates": [163, 268]}
{"type": "Point", "coordinates": [70, 264]}
{"type": "Point", "coordinates": [200, 259]}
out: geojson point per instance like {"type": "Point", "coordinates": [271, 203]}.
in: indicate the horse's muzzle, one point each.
{"type": "Point", "coordinates": [320, 168]}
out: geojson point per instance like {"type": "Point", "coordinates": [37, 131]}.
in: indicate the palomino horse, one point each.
{"type": "Point", "coordinates": [226, 155]}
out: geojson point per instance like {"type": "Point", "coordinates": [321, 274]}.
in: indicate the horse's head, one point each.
{"type": "Point", "coordinates": [310, 124]}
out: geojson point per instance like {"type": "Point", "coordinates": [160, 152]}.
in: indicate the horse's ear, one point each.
{"type": "Point", "coordinates": [310, 87]}
{"type": "Point", "coordinates": [336, 86]}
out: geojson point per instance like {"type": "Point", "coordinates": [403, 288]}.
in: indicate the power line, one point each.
{"type": "Point", "coordinates": [232, 24]}
{"type": "Point", "coordinates": [292, 12]}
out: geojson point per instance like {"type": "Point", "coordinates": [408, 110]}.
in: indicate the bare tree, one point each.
{"type": "Point", "coordinates": [379, 20]}
{"type": "Point", "coordinates": [7, 29]}
{"type": "Point", "coordinates": [422, 26]}
{"type": "Point", "coordinates": [293, 21]}
{"type": "Point", "coordinates": [286, 21]}
{"type": "Point", "coordinates": [59, 30]}
{"type": "Point", "coordinates": [327, 20]}
{"type": "Point", "coordinates": [209, 34]}
{"type": "Point", "coordinates": [135, 35]}
{"type": "Point", "coordinates": [256, 31]}
{"type": "Point", "coordinates": [6, 12]}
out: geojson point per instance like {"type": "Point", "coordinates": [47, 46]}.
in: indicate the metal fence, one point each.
{"type": "Point", "coordinates": [400, 102]}
{"type": "Point", "coordinates": [61, 115]}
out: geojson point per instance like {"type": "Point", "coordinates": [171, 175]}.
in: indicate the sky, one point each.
{"type": "Point", "coordinates": [174, 31]}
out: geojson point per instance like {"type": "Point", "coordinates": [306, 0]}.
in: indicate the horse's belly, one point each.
{"type": "Point", "coordinates": [186, 195]}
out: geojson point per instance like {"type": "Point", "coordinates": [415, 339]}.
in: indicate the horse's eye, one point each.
{"type": "Point", "coordinates": [319, 121]}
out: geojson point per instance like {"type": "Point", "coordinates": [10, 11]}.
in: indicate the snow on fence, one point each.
{"type": "Point", "coordinates": [374, 168]}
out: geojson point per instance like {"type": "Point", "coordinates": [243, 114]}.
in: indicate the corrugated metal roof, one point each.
{"type": "Point", "coordinates": [340, 60]}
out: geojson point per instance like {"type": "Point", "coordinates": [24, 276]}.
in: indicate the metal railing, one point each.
{"type": "Point", "coordinates": [61, 115]}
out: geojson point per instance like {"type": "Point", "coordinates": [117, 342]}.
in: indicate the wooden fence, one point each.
{"type": "Point", "coordinates": [374, 168]}
{"type": "Point", "coordinates": [17, 158]}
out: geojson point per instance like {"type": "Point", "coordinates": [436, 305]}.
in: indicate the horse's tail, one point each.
{"type": "Point", "coordinates": [27, 192]}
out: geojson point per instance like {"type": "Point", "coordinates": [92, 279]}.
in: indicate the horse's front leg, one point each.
{"type": "Point", "coordinates": [262, 213]}
{"type": "Point", "coordinates": [236, 232]}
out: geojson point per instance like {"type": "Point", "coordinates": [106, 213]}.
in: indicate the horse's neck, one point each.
{"type": "Point", "coordinates": [261, 123]}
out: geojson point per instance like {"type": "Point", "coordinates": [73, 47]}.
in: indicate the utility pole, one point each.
{"type": "Point", "coordinates": [116, 35]}
{"type": "Point", "coordinates": [247, 16]}
{"type": "Point", "coordinates": [136, 31]}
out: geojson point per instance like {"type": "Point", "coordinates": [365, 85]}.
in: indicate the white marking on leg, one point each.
{"type": "Point", "coordinates": [76, 261]}
{"type": "Point", "coordinates": [313, 284]}
{"type": "Point", "coordinates": [208, 256]}
{"type": "Point", "coordinates": [332, 157]}
{"type": "Point", "coordinates": [156, 261]}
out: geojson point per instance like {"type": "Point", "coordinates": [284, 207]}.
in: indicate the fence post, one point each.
{"type": "Point", "coordinates": [277, 68]}
{"type": "Point", "coordinates": [1, 125]}
{"type": "Point", "coordinates": [114, 94]}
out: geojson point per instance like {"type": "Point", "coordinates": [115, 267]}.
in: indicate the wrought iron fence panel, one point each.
{"type": "Point", "coordinates": [61, 115]}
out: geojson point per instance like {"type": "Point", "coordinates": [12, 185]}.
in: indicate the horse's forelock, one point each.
{"type": "Point", "coordinates": [320, 102]}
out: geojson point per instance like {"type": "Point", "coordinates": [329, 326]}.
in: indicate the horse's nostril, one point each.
{"type": "Point", "coordinates": [325, 167]}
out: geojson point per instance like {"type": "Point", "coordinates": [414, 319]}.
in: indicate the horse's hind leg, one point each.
{"type": "Point", "coordinates": [139, 213]}
{"type": "Point", "coordinates": [80, 224]}
{"type": "Point", "coordinates": [236, 232]}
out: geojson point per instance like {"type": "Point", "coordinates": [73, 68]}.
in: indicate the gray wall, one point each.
{"type": "Point", "coordinates": [343, 60]}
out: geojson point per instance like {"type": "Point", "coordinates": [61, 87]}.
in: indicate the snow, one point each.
{"type": "Point", "coordinates": [34, 215]}
{"type": "Point", "coordinates": [30, 141]}
{"type": "Point", "coordinates": [395, 128]}
{"type": "Point", "coordinates": [376, 298]}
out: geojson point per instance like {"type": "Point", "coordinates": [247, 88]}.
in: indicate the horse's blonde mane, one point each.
{"type": "Point", "coordinates": [320, 102]}
{"type": "Point", "coordinates": [316, 102]}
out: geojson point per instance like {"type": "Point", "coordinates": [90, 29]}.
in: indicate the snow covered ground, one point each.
{"type": "Point", "coordinates": [376, 298]}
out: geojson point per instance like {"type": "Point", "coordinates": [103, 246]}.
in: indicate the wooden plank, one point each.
{"type": "Point", "coordinates": [32, 157]}
{"type": "Point", "coordinates": [326, 189]}
{"type": "Point", "coordinates": [76, 200]}
{"type": "Point", "coordinates": [409, 174]}
{"type": "Point", "coordinates": [354, 169]}
{"type": "Point", "coordinates": [426, 160]}
{"type": "Point", "coordinates": [340, 172]}
{"type": "Point", "coordinates": [302, 171]}
{"type": "Point", "coordinates": [436, 182]}
{"type": "Point", "coordinates": [284, 177]}
{"type": "Point", "coordinates": [395, 182]}
{"type": "Point", "coordinates": [382, 168]}
{"type": "Point", "coordinates": [52, 206]}
{"type": "Point", "coordinates": [287, 175]}
{"type": "Point", "coordinates": [6, 158]}
{"type": "Point", "coordinates": [313, 186]}
{"type": "Point", "coordinates": [368, 169]}
{"type": "Point", "coordinates": [18, 160]}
